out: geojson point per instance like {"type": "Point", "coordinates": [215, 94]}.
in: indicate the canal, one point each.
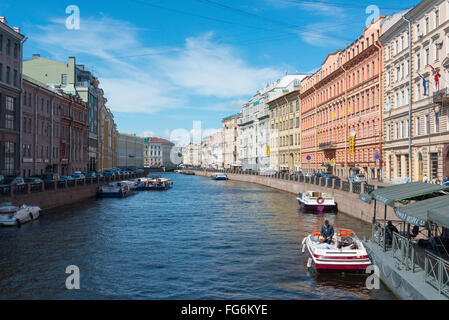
{"type": "Point", "coordinates": [202, 239]}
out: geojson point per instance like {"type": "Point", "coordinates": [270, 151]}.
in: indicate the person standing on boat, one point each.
{"type": "Point", "coordinates": [327, 232]}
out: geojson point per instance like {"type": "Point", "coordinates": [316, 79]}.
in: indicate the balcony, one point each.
{"type": "Point", "coordinates": [327, 146]}
{"type": "Point", "coordinates": [441, 96]}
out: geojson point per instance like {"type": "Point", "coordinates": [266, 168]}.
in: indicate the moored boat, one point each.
{"type": "Point", "coordinates": [141, 184]}
{"type": "Point", "coordinates": [219, 177]}
{"type": "Point", "coordinates": [346, 253]}
{"type": "Point", "coordinates": [317, 201]}
{"type": "Point", "coordinates": [16, 216]}
{"type": "Point", "coordinates": [116, 190]}
{"type": "Point", "coordinates": [188, 173]}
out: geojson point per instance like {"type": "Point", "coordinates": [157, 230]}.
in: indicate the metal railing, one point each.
{"type": "Point", "coordinates": [369, 188]}
{"type": "Point", "coordinates": [404, 252]}
{"type": "Point", "coordinates": [337, 184]}
{"type": "Point", "coordinates": [346, 186]}
{"type": "Point", "coordinates": [437, 273]}
{"type": "Point", "coordinates": [357, 187]}
{"type": "Point", "coordinates": [377, 234]}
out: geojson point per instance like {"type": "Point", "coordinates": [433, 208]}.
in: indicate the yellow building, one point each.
{"type": "Point", "coordinates": [107, 140]}
{"type": "Point", "coordinates": [285, 132]}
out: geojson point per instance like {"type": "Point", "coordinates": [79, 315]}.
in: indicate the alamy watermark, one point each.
{"type": "Point", "coordinates": [73, 280]}
{"type": "Point", "coordinates": [373, 280]}
{"type": "Point", "coordinates": [73, 21]}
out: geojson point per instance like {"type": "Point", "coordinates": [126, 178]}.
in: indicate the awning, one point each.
{"type": "Point", "coordinates": [420, 213]}
{"type": "Point", "coordinates": [401, 192]}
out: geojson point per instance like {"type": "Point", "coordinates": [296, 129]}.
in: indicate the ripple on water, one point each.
{"type": "Point", "coordinates": [202, 239]}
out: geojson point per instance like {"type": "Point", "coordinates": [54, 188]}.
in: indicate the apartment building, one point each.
{"type": "Point", "coordinates": [130, 150]}
{"type": "Point", "coordinates": [230, 141]}
{"type": "Point", "coordinates": [285, 132]}
{"type": "Point", "coordinates": [157, 152]}
{"type": "Point", "coordinates": [416, 106]}
{"type": "Point", "coordinates": [74, 79]}
{"type": "Point", "coordinates": [254, 125]}
{"type": "Point", "coordinates": [54, 131]}
{"type": "Point", "coordinates": [11, 49]}
{"type": "Point", "coordinates": [341, 118]}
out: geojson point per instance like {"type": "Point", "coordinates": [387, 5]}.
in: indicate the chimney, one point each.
{"type": "Point", "coordinates": [36, 56]}
{"type": "Point", "coordinates": [16, 29]}
{"type": "Point", "coordinates": [3, 20]}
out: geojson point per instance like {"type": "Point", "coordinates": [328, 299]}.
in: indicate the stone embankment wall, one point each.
{"type": "Point", "coordinates": [348, 201]}
{"type": "Point", "coordinates": [57, 194]}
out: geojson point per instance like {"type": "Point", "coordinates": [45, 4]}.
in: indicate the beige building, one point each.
{"type": "Point", "coordinates": [230, 141]}
{"type": "Point", "coordinates": [130, 150]}
{"type": "Point", "coordinates": [428, 131]}
{"type": "Point", "coordinates": [107, 136]}
{"type": "Point", "coordinates": [192, 155]}
{"type": "Point", "coordinates": [285, 132]}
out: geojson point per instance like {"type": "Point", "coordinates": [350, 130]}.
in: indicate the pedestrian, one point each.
{"type": "Point", "coordinates": [425, 179]}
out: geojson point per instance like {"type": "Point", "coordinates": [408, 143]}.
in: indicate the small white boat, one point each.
{"type": "Point", "coordinates": [16, 216]}
{"type": "Point", "coordinates": [346, 253]}
{"type": "Point", "coordinates": [219, 177]}
{"type": "Point", "coordinates": [317, 201]}
{"type": "Point", "coordinates": [116, 190]}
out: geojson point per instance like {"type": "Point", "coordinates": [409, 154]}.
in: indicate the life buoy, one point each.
{"type": "Point", "coordinates": [320, 200]}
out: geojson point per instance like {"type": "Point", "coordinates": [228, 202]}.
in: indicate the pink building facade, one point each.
{"type": "Point", "coordinates": [341, 114]}
{"type": "Point", "coordinates": [54, 131]}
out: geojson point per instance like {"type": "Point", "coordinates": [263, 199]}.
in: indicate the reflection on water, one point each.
{"type": "Point", "coordinates": [203, 239]}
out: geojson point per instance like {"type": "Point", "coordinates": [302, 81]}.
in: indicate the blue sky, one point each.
{"type": "Point", "coordinates": [165, 64]}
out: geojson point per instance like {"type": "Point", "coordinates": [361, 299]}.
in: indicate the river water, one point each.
{"type": "Point", "coordinates": [203, 239]}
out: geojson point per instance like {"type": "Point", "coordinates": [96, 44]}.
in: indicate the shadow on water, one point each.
{"type": "Point", "coordinates": [203, 239]}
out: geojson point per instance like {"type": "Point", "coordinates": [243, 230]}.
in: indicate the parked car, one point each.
{"type": "Point", "coordinates": [109, 173]}
{"type": "Point", "coordinates": [446, 184]}
{"type": "Point", "coordinates": [357, 178]}
{"type": "Point", "coordinates": [284, 172]}
{"type": "Point", "coordinates": [66, 178]}
{"type": "Point", "coordinates": [33, 180]}
{"type": "Point", "coordinates": [77, 175]}
{"type": "Point", "coordinates": [12, 181]}
{"type": "Point", "coordinates": [48, 177]}
{"type": "Point", "coordinates": [93, 175]}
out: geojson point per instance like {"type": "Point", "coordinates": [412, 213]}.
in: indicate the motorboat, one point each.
{"type": "Point", "coordinates": [116, 190]}
{"type": "Point", "coordinates": [317, 201]}
{"type": "Point", "coordinates": [166, 181]}
{"type": "Point", "coordinates": [11, 215]}
{"type": "Point", "coordinates": [156, 185]}
{"type": "Point", "coordinates": [219, 177]}
{"type": "Point", "coordinates": [141, 184]}
{"type": "Point", "coordinates": [188, 173]}
{"type": "Point", "coordinates": [346, 253]}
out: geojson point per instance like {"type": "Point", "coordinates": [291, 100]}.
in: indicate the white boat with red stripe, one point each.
{"type": "Point", "coordinates": [345, 254]}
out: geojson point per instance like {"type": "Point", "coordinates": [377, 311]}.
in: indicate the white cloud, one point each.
{"type": "Point", "coordinates": [153, 80]}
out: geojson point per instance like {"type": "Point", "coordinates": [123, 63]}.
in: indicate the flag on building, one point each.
{"type": "Point", "coordinates": [424, 83]}
{"type": "Point", "coordinates": [436, 75]}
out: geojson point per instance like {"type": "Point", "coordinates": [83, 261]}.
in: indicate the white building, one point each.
{"type": "Point", "coordinates": [254, 130]}
{"type": "Point", "coordinates": [157, 152]}
{"type": "Point", "coordinates": [192, 155]}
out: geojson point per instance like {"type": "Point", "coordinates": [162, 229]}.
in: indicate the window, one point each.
{"type": "Point", "coordinates": [63, 79]}
{"type": "Point", "coordinates": [15, 78]}
{"type": "Point", "coordinates": [437, 52]}
{"type": "Point", "coordinates": [388, 132]}
{"type": "Point", "coordinates": [427, 56]}
{"type": "Point", "coordinates": [437, 122]}
{"type": "Point", "coordinates": [434, 165]}
{"type": "Point", "coordinates": [9, 159]}
{"type": "Point", "coordinates": [417, 126]}
{"type": "Point", "coordinates": [297, 122]}
{"type": "Point", "coordinates": [427, 124]}
{"type": "Point", "coordinates": [10, 114]}
{"type": "Point", "coordinates": [8, 72]}
{"type": "Point", "coordinates": [8, 47]}
{"type": "Point", "coordinates": [16, 49]}
{"type": "Point", "coordinates": [437, 18]}
{"type": "Point", "coordinates": [1, 42]}
{"type": "Point", "coordinates": [1, 71]}
{"type": "Point", "coordinates": [426, 25]}
{"type": "Point", "coordinates": [418, 61]}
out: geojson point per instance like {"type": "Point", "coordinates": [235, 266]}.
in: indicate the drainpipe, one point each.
{"type": "Point", "coordinates": [288, 124]}
{"type": "Point", "coordinates": [346, 120]}
{"type": "Point", "coordinates": [22, 42]}
{"type": "Point", "coordinates": [36, 131]}
{"type": "Point", "coordinates": [381, 129]}
{"type": "Point", "coordinates": [409, 97]}
{"type": "Point", "coordinates": [315, 123]}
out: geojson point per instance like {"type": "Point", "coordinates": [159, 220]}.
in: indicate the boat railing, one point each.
{"type": "Point", "coordinates": [437, 273]}
{"type": "Point", "coordinates": [404, 252]}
